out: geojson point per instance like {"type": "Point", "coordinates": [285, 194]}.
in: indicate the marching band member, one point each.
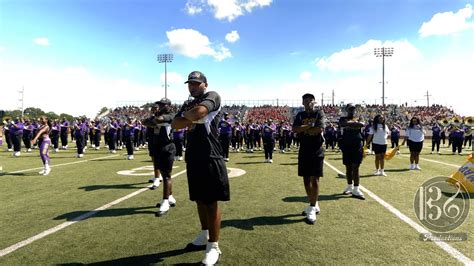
{"type": "Point", "coordinates": [162, 151]}
{"type": "Point", "coordinates": [268, 136]}
{"type": "Point", "coordinates": [435, 138]}
{"type": "Point", "coordinates": [64, 133]}
{"type": "Point", "coordinates": [351, 143]}
{"type": "Point", "coordinates": [16, 134]}
{"type": "Point", "coordinates": [225, 132]}
{"type": "Point", "coordinates": [128, 133]}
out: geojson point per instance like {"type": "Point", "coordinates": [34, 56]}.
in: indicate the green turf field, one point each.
{"type": "Point", "coordinates": [262, 224]}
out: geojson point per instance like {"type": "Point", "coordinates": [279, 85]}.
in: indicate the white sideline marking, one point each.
{"type": "Point", "coordinates": [450, 250]}
{"type": "Point", "coordinates": [62, 164]}
{"type": "Point", "coordinates": [433, 161]}
{"type": "Point", "coordinates": [53, 230]}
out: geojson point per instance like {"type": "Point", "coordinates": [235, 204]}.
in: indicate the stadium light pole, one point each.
{"type": "Point", "coordinates": [383, 52]}
{"type": "Point", "coordinates": [165, 58]}
{"type": "Point", "coordinates": [22, 100]}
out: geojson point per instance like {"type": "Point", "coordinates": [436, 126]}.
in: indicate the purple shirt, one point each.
{"type": "Point", "coordinates": [178, 134]}
{"type": "Point", "coordinates": [64, 126]}
{"type": "Point", "coordinates": [17, 129]}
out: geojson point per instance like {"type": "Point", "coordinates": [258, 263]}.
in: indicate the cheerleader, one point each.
{"type": "Point", "coordinates": [414, 136]}
{"type": "Point", "coordinates": [42, 136]}
{"type": "Point", "coordinates": [378, 134]}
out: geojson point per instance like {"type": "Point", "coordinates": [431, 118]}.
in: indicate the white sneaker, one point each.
{"type": "Point", "coordinates": [156, 184]}
{"type": "Point", "coordinates": [212, 254]}
{"type": "Point", "coordinates": [348, 190]}
{"type": "Point", "coordinates": [130, 157]}
{"type": "Point", "coordinates": [180, 158]}
{"type": "Point", "coordinates": [382, 173]}
{"type": "Point", "coordinates": [377, 172]}
{"type": "Point", "coordinates": [270, 161]}
{"type": "Point", "coordinates": [431, 152]}
{"type": "Point", "coordinates": [412, 167]}
{"type": "Point", "coordinates": [152, 180]}
{"type": "Point", "coordinates": [356, 193]}
{"type": "Point", "coordinates": [97, 148]}
{"type": "Point", "coordinates": [113, 151]}
{"type": "Point", "coordinates": [439, 152]}
{"type": "Point", "coordinates": [56, 150]}
{"type": "Point", "coordinates": [311, 215]}
{"type": "Point", "coordinates": [10, 149]}
{"type": "Point", "coordinates": [164, 207]}
{"type": "Point", "coordinates": [41, 172]}
{"type": "Point", "coordinates": [47, 171]}
{"type": "Point", "coordinates": [226, 159]}
{"type": "Point", "coordinates": [17, 154]}
{"type": "Point", "coordinates": [417, 167]}
{"type": "Point", "coordinates": [172, 201]}
{"type": "Point", "coordinates": [28, 150]}
{"type": "Point", "coordinates": [80, 155]}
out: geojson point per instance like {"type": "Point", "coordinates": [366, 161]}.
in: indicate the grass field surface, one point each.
{"type": "Point", "coordinates": [261, 224]}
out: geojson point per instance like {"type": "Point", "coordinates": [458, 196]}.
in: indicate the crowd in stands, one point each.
{"type": "Point", "coordinates": [399, 114]}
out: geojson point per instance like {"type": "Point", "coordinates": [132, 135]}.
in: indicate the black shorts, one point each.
{"type": "Point", "coordinates": [415, 146]}
{"type": "Point", "coordinates": [352, 155]}
{"type": "Point", "coordinates": [208, 180]}
{"type": "Point", "coordinates": [163, 159]}
{"type": "Point", "coordinates": [379, 148]}
{"type": "Point", "coordinates": [310, 166]}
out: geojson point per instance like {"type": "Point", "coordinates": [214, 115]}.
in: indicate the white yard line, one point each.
{"type": "Point", "coordinates": [55, 229]}
{"type": "Point", "coordinates": [446, 247]}
{"type": "Point", "coordinates": [62, 164]}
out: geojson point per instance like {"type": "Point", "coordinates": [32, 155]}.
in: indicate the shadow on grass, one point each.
{"type": "Point", "coordinates": [140, 260]}
{"type": "Point", "coordinates": [249, 162]}
{"type": "Point", "coordinates": [304, 199]}
{"type": "Point", "coordinates": [249, 224]}
{"type": "Point", "coordinates": [289, 164]}
{"type": "Point", "coordinates": [397, 170]}
{"type": "Point", "coordinates": [17, 174]}
{"type": "Point", "coordinates": [83, 215]}
{"type": "Point", "coordinates": [119, 186]}
{"type": "Point", "coordinates": [252, 156]}
{"type": "Point", "coordinates": [105, 160]}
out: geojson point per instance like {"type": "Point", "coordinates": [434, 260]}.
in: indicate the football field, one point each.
{"type": "Point", "coordinates": [98, 210]}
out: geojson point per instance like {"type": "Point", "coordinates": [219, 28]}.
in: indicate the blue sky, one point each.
{"type": "Point", "coordinates": [78, 56]}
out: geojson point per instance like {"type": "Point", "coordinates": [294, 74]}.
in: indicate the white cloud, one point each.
{"type": "Point", "coordinates": [172, 78]}
{"type": "Point", "coordinates": [192, 43]}
{"type": "Point", "coordinates": [44, 88]}
{"type": "Point", "coordinates": [447, 23]}
{"type": "Point", "coordinates": [226, 9]}
{"type": "Point", "coordinates": [362, 58]}
{"type": "Point", "coordinates": [305, 75]}
{"type": "Point", "coordinates": [232, 36]}
{"type": "Point", "coordinates": [41, 41]}
{"type": "Point", "coordinates": [193, 8]}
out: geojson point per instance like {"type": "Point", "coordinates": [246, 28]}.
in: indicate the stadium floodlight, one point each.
{"type": "Point", "coordinates": [383, 52]}
{"type": "Point", "coordinates": [165, 58]}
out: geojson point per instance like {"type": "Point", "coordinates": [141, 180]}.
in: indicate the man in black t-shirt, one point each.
{"type": "Point", "coordinates": [351, 144]}
{"type": "Point", "coordinates": [162, 151]}
{"type": "Point", "coordinates": [208, 182]}
{"type": "Point", "coordinates": [309, 124]}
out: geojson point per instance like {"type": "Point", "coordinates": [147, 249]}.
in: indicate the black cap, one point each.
{"type": "Point", "coordinates": [196, 76]}
{"type": "Point", "coordinates": [350, 106]}
{"type": "Point", "coordinates": [163, 101]}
